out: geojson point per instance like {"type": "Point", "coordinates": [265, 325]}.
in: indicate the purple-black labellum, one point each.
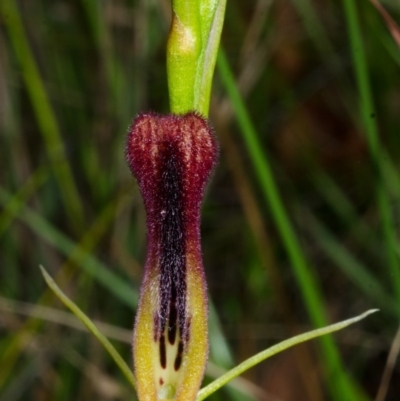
{"type": "Point", "coordinates": [172, 158]}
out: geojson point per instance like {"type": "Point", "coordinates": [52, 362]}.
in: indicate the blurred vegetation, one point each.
{"type": "Point", "coordinates": [300, 223]}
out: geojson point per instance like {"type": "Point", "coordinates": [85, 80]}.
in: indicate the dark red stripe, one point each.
{"type": "Point", "coordinates": [172, 238]}
{"type": "Point", "coordinates": [163, 352]}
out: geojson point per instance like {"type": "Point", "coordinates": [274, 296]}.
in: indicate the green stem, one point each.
{"type": "Point", "coordinates": [183, 51]}
{"type": "Point", "coordinates": [191, 53]}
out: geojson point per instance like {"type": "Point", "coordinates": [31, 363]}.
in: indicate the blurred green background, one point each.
{"type": "Point", "coordinates": [300, 222]}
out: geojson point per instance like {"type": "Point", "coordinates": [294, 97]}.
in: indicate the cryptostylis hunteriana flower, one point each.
{"type": "Point", "coordinates": [172, 157]}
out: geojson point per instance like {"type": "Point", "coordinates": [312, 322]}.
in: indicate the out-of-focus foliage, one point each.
{"type": "Point", "coordinates": [72, 76]}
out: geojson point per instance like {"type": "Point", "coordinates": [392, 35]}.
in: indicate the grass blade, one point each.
{"type": "Point", "coordinates": [92, 328]}
{"type": "Point", "coordinates": [340, 385]}
{"type": "Point", "coordinates": [92, 266]}
{"type": "Point", "coordinates": [282, 346]}
{"type": "Point", "coordinates": [44, 112]}
{"type": "Point", "coordinates": [367, 111]}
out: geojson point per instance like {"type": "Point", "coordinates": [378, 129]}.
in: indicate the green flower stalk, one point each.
{"type": "Point", "coordinates": [172, 158]}
{"type": "Point", "coordinates": [192, 53]}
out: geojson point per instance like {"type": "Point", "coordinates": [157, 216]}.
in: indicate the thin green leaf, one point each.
{"type": "Point", "coordinates": [282, 346]}
{"type": "Point", "coordinates": [91, 327]}
{"type": "Point", "coordinates": [212, 18]}
{"type": "Point", "coordinates": [367, 112]}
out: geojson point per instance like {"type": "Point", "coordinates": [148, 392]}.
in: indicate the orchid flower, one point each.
{"type": "Point", "coordinates": [172, 158]}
